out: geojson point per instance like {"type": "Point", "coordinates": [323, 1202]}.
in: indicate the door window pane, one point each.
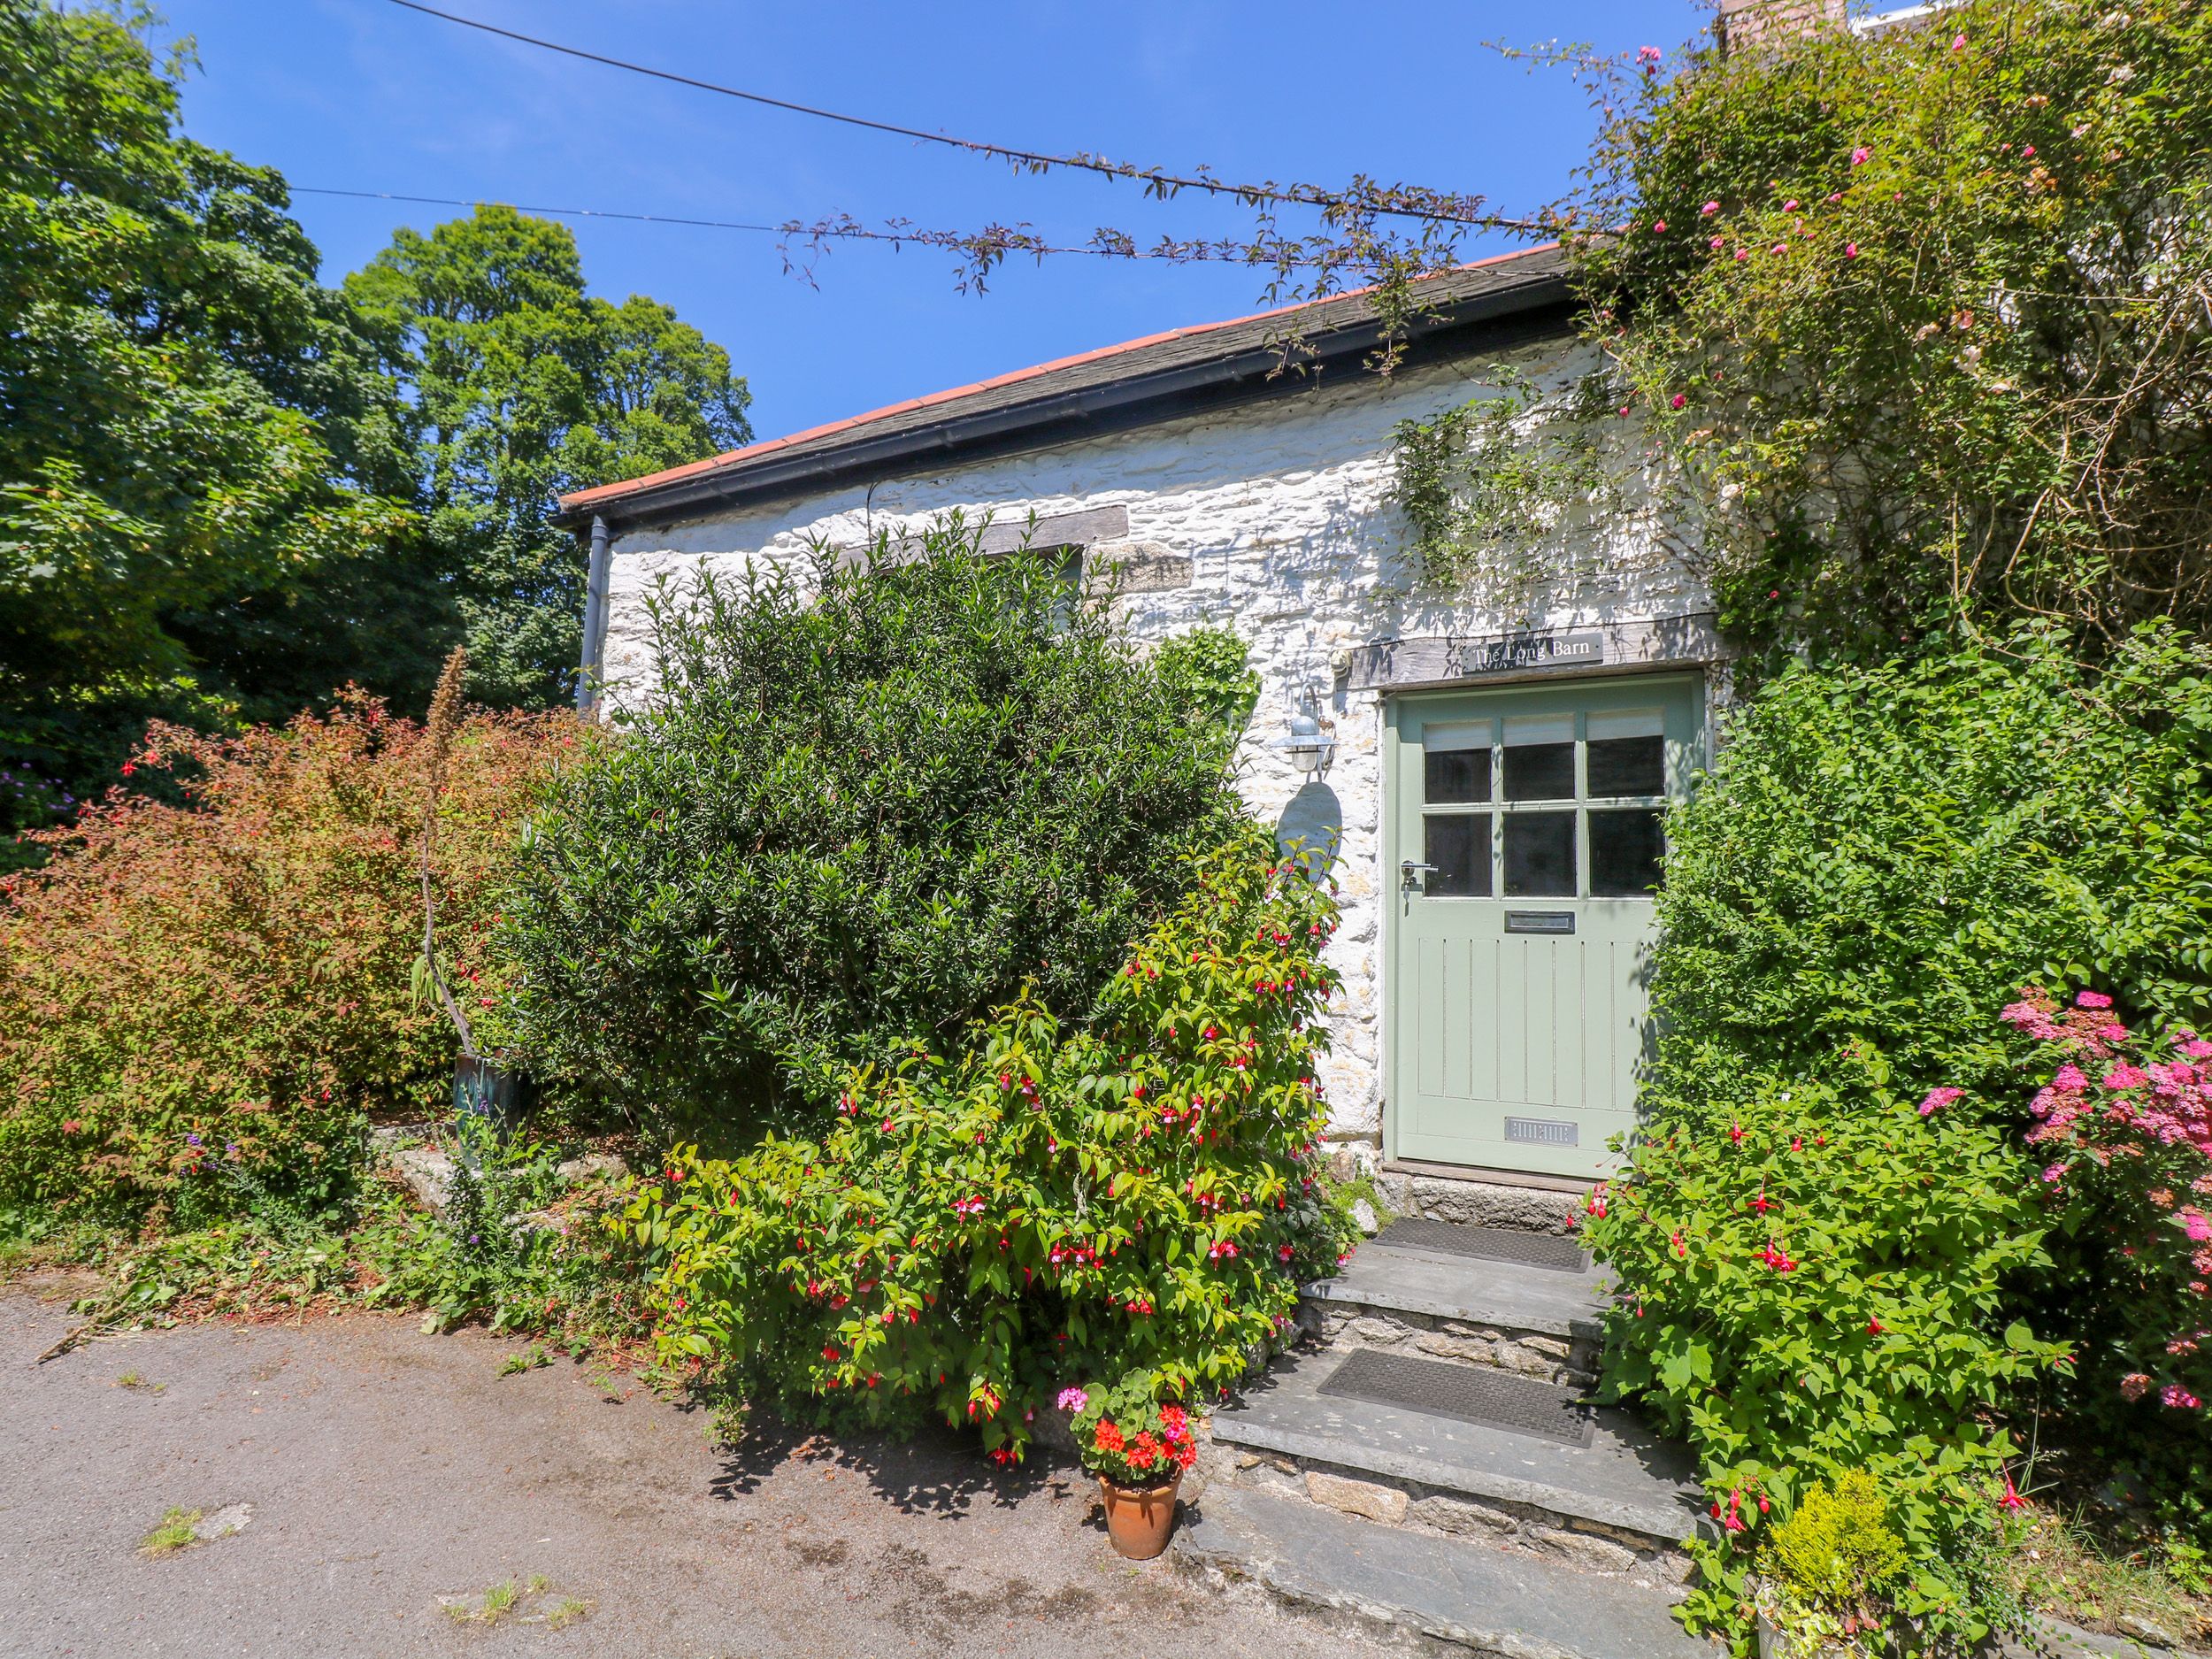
{"type": "Point", "coordinates": [1540, 771]}
{"type": "Point", "coordinates": [1539, 854]}
{"type": "Point", "coordinates": [1628, 766]}
{"type": "Point", "coordinates": [1627, 848]}
{"type": "Point", "coordinates": [1455, 775]}
{"type": "Point", "coordinates": [1459, 846]}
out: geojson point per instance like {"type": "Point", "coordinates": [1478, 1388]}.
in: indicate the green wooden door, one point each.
{"type": "Point", "coordinates": [1523, 839]}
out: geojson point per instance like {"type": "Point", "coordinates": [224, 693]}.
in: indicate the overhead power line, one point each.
{"type": "Point", "coordinates": [1014, 240]}
{"type": "Point", "coordinates": [1363, 197]}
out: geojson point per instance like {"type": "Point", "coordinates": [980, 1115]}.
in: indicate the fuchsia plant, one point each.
{"type": "Point", "coordinates": [2126, 1121]}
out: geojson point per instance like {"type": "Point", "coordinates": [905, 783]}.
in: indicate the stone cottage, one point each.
{"type": "Point", "coordinates": [1490, 765]}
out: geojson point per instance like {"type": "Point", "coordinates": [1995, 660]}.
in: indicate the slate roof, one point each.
{"type": "Point", "coordinates": [1473, 307]}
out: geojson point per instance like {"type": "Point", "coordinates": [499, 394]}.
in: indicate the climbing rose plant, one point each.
{"type": "Point", "coordinates": [979, 1231]}
{"type": "Point", "coordinates": [2125, 1123]}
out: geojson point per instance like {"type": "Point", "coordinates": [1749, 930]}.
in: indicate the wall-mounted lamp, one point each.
{"type": "Point", "coordinates": [1308, 745]}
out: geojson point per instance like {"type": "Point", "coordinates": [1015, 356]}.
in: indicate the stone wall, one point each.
{"type": "Point", "coordinates": [1271, 519]}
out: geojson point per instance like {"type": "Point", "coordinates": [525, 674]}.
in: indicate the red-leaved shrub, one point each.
{"type": "Point", "coordinates": [195, 995]}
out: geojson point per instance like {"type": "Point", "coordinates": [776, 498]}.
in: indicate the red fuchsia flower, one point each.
{"type": "Point", "coordinates": [1936, 1099]}
{"type": "Point", "coordinates": [1283, 1253]}
{"type": "Point", "coordinates": [2012, 1500]}
{"type": "Point", "coordinates": [1873, 1327]}
{"type": "Point", "coordinates": [1735, 1134]}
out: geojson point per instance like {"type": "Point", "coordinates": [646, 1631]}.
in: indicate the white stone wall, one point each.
{"type": "Point", "coordinates": [1280, 505]}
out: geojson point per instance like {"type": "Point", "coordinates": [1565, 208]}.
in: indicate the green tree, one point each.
{"type": "Point", "coordinates": [517, 386]}
{"type": "Point", "coordinates": [192, 436]}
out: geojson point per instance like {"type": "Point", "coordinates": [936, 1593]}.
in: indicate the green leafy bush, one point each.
{"type": "Point", "coordinates": [975, 1232]}
{"type": "Point", "coordinates": [1818, 1277]}
{"type": "Point", "coordinates": [858, 812]}
{"type": "Point", "coordinates": [1884, 855]}
{"type": "Point", "coordinates": [2126, 1121]}
{"type": "Point", "coordinates": [198, 1004]}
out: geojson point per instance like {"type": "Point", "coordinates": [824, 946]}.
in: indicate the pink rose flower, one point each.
{"type": "Point", "coordinates": [1860, 155]}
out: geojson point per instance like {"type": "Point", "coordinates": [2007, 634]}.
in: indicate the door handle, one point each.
{"type": "Point", "coordinates": [1412, 870]}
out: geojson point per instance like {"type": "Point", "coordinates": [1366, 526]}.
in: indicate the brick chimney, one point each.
{"type": "Point", "coordinates": [1744, 23]}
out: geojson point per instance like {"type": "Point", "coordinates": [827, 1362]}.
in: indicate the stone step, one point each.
{"type": "Point", "coordinates": [1624, 1503]}
{"type": "Point", "coordinates": [1484, 1599]}
{"type": "Point", "coordinates": [1402, 1292]}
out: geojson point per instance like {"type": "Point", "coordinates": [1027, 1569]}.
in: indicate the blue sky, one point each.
{"type": "Point", "coordinates": [361, 95]}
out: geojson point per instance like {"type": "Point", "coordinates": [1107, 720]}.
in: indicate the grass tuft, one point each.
{"type": "Point", "coordinates": [174, 1534]}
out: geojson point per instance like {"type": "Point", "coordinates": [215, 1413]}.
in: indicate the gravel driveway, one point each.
{"type": "Point", "coordinates": [393, 1474]}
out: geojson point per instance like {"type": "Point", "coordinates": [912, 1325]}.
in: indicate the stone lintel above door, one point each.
{"type": "Point", "coordinates": [1685, 641]}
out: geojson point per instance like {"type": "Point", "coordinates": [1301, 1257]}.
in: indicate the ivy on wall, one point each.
{"type": "Point", "coordinates": [1492, 487]}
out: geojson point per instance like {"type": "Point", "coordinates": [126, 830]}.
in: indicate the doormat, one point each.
{"type": "Point", "coordinates": [1493, 1399]}
{"type": "Point", "coordinates": [1491, 1244]}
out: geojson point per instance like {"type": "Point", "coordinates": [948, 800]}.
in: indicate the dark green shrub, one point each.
{"type": "Point", "coordinates": [1128, 1208]}
{"type": "Point", "coordinates": [1885, 855]}
{"type": "Point", "coordinates": [860, 810]}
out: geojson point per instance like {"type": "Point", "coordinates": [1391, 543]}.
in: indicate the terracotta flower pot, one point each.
{"type": "Point", "coordinates": [1139, 1520]}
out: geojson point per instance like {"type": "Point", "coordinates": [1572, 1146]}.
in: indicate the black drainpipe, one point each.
{"type": "Point", "coordinates": [594, 665]}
